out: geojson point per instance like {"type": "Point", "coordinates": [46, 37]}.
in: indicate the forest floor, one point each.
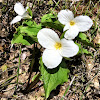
{"type": "Point", "coordinates": [85, 70]}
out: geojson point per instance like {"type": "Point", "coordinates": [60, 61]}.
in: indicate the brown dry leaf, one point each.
{"type": "Point", "coordinates": [12, 56]}
{"type": "Point", "coordinates": [23, 78]}
{"type": "Point", "coordinates": [23, 56]}
{"type": "Point", "coordinates": [62, 91]}
{"type": "Point", "coordinates": [89, 64]}
{"type": "Point", "coordinates": [1, 0]}
{"type": "Point", "coordinates": [10, 89]}
{"type": "Point", "coordinates": [37, 98]}
{"type": "Point", "coordinates": [97, 39]}
{"type": "Point", "coordinates": [88, 89]}
{"type": "Point", "coordinates": [1, 48]}
{"type": "Point", "coordinates": [31, 97]}
{"type": "Point", "coordinates": [72, 97]}
{"type": "Point", "coordinates": [96, 82]}
{"type": "Point", "coordinates": [4, 99]}
{"type": "Point", "coordinates": [39, 95]}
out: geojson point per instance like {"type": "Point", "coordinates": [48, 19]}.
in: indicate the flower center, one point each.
{"type": "Point", "coordinates": [58, 45]}
{"type": "Point", "coordinates": [72, 23]}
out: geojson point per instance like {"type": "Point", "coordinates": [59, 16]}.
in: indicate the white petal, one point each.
{"type": "Point", "coordinates": [19, 9]}
{"type": "Point", "coordinates": [65, 16]}
{"type": "Point", "coordinates": [72, 32]}
{"type": "Point", "coordinates": [67, 26]}
{"type": "Point", "coordinates": [26, 15]}
{"type": "Point", "coordinates": [16, 19]}
{"type": "Point", "coordinates": [51, 58]}
{"type": "Point", "coordinates": [26, 8]}
{"type": "Point", "coordinates": [47, 38]}
{"type": "Point", "coordinates": [69, 48]}
{"type": "Point", "coordinates": [84, 23]}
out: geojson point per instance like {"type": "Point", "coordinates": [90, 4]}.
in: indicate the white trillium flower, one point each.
{"type": "Point", "coordinates": [21, 11]}
{"type": "Point", "coordinates": [56, 49]}
{"type": "Point", "coordinates": [73, 25]}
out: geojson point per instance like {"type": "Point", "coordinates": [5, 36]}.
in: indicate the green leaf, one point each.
{"type": "Point", "coordinates": [34, 38]}
{"type": "Point", "coordinates": [56, 25]}
{"type": "Point", "coordinates": [50, 20]}
{"type": "Point", "coordinates": [28, 23]}
{"type": "Point", "coordinates": [83, 38]}
{"type": "Point", "coordinates": [18, 38]}
{"type": "Point", "coordinates": [47, 18]}
{"type": "Point", "coordinates": [53, 77]}
{"type": "Point", "coordinates": [26, 35]}
{"type": "Point", "coordinates": [29, 30]}
{"type": "Point", "coordinates": [30, 39]}
{"type": "Point", "coordinates": [33, 30]}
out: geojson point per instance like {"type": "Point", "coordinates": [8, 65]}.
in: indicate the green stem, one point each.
{"type": "Point", "coordinates": [32, 84]}
{"type": "Point", "coordinates": [62, 35]}
{"type": "Point", "coordinates": [31, 65]}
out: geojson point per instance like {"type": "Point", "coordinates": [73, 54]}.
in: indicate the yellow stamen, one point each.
{"type": "Point", "coordinates": [72, 23]}
{"type": "Point", "coordinates": [58, 45]}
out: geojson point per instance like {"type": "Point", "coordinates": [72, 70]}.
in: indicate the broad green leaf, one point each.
{"type": "Point", "coordinates": [56, 25]}
{"type": "Point", "coordinates": [26, 35]}
{"type": "Point", "coordinates": [18, 38]}
{"type": "Point", "coordinates": [50, 20]}
{"type": "Point", "coordinates": [30, 39]}
{"type": "Point", "coordinates": [83, 37]}
{"type": "Point", "coordinates": [47, 18]}
{"type": "Point", "coordinates": [34, 38]}
{"type": "Point", "coordinates": [31, 31]}
{"type": "Point", "coordinates": [28, 23]}
{"type": "Point", "coordinates": [53, 77]}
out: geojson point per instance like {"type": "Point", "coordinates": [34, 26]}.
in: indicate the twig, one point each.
{"type": "Point", "coordinates": [31, 66]}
